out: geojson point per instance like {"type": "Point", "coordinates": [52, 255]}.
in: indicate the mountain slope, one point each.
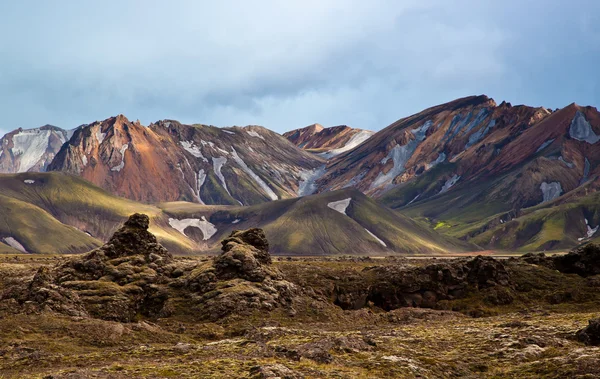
{"type": "Point", "coordinates": [169, 161]}
{"type": "Point", "coordinates": [25, 150]}
{"type": "Point", "coordinates": [340, 222]}
{"type": "Point", "coordinates": [61, 213]}
{"type": "Point", "coordinates": [567, 221]}
{"type": "Point", "coordinates": [328, 142]}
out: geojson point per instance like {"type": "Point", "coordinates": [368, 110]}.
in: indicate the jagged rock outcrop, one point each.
{"type": "Point", "coordinates": [241, 279]}
{"type": "Point", "coordinates": [584, 261]}
{"type": "Point", "coordinates": [132, 275]}
{"type": "Point", "coordinates": [395, 286]}
{"type": "Point", "coordinates": [590, 335]}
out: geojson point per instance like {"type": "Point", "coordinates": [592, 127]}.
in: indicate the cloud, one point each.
{"type": "Point", "coordinates": [285, 64]}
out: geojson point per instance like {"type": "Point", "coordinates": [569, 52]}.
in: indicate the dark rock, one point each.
{"type": "Point", "coordinates": [584, 261]}
{"type": "Point", "coordinates": [244, 256]}
{"type": "Point", "coordinates": [539, 259]}
{"type": "Point", "coordinates": [590, 335]}
{"type": "Point", "coordinates": [395, 286]}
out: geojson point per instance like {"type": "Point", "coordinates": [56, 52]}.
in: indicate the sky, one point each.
{"type": "Point", "coordinates": [288, 64]}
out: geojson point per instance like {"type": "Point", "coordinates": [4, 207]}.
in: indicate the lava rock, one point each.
{"type": "Point", "coordinates": [584, 261]}
{"type": "Point", "coordinates": [590, 335]}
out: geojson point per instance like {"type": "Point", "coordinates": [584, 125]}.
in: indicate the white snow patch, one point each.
{"type": "Point", "coordinates": [377, 238]}
{"type": "Point", "coordinates": [581, 129]}
{"type": "Point", "coordinates": [550, 191]}
{"type": "Point", "coordinates": [586, 171]}
{"type": "Point", "coordinates": [84, 160]}
{"type": "Point", "coordinates": [544, 145]}
{"type": "Point", "coordinates": [199, 180]}
{"type": "Point", "coordinates": [100, 136]}
{"type": "Point", "coordinates": [340, 205]}
{"type": "Point", "coordinates": [30, 146]}
{"type": "Point", "coordinates": [254, 134]}
{"type": "Point", "coordinates": [450, 183]}
{"type": "Point", "coordinates": [590, 231]}
{"type": "Point", "coordinates": [217, 166]}
{"type": "Point", "coordinates": [227, 131]}
{"type": "Point", "coordinates": [413, 200]}
{"type": "Point", "coordinates": [236, 221]}
{"type": "Point", "coordinates": [122, 164]}
{"type": "Point", "coordinates": [191, 148]}
{"type": "Point", "coordinates": [478, 135]}
{"type": "Point", "coordinates": [400, 155]}
{"type": "Point", "coordinates": [569, 164]}
{"type": "Point", "coordinates": [272, 195]}
{"type": "Point", "coordinates": [28, 181]}
{"type": "Point", "coordinates": [353, 142]}
{"type": "Point", "coordinates": [10, 241]}
{"type": "Point", "coordinates": [208, 229]}
{"type": "Point", "coordinates": [209, 143]}
{"type": "Point", "coordinates": [308, 178]}
{"type": "Point", "coordinates": [441, 157]}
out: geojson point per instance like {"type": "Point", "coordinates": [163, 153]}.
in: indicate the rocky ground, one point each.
{"type": "Point", "coordinates": [131, 310]}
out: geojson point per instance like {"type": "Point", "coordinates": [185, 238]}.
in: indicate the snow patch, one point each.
{"type": "Point", "coordinates": [353, 142]}
{"type": "Point", "coordinates": [590, 231]}
{"type": "Point", "coordinates": [340, 205]}
{"type": "Point", "coordinates": [308, 178]}
{"type": "Point", "coordinates": [413, 200]}
{"type": "Point", "coordinates": [208, 229]}
{"type": "Point", "coordinates": [586, 171]}
{"type": "Point", "coordinates": [450, 183]}
{"type": "Point", "coordinates": [377, 238]}
{"type": "Point", "coordinates": [254, 134]}
{"type": "Point", "coordinates": [400, 155]}
{"type": "Point", "coordinates": [217, 166]}
{"type": "Point", "coordinates": [205, 143]}
{"type": "Point", "coordinates": [30, 146]}
{"type": "Point", "coordinates": [236, 221]}
{"type": "Point", "coordinates": [100, 136]}
{"type": "Point", "coordinates": [28, 181]}
{"type": "Point", "coordinates": [122, 164]}
{"type": "Point", "coordinates": [10, 241]}
{"type": "Point", "coordinates": [227, 131]}
{"type": "Point", "coordinates": [550, 191]}
{"type": "Point", "coordinates": [581, 130]}
{"type": "Point", "coordinates": [478, 135]}
{"type": "Point", "coordinates": [569, 164]}
{"type": "Point", "coordinates": [191, 148]}
{"type": "Point", "coordinates": [199, 180]}
{"type": "Point", "coordinates": [84, 160]}
{"type": "Point", "coordinates": [253, 175]}
{"type": "Point", "coordinates": [441, 157]}
{"type": "Point", "coordinates": [544, 145]}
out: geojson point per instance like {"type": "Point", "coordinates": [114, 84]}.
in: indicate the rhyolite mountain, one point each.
{"type": "Point", "coordinates": [63, 213]}
{"type": "Point", "coordinates": [456, 164]}
{"type": "Point", "coordinates": [470, 168]}
{"type": "Point", "coordinates": [328, 142]}
{"type": "Point", "coordinates": [25, 150]}
{"type": "Point", "coordinates": [168, 161]}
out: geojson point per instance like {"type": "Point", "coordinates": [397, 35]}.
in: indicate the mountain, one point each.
{"type": "Point", "coordinates": [339, 222]}
{"type": "Point", "coordinates": [62, 213]}
{"type": "Point", "coordinates": [169, 161]}
{"type": "Point", "coordinates": [328, 142]}
{"type": "Point", "coordinates": [560, 224]}
{"type": "Point", "coordinates": [25, 150]}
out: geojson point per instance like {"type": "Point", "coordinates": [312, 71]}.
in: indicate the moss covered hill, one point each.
{"type": "Point", "coordinates": [61, 213]}
{"type": "Point", "coordinates": [339, 222]}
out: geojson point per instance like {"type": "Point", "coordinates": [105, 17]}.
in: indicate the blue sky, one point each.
{"type": "Point", "coordinates": [287, 64]}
